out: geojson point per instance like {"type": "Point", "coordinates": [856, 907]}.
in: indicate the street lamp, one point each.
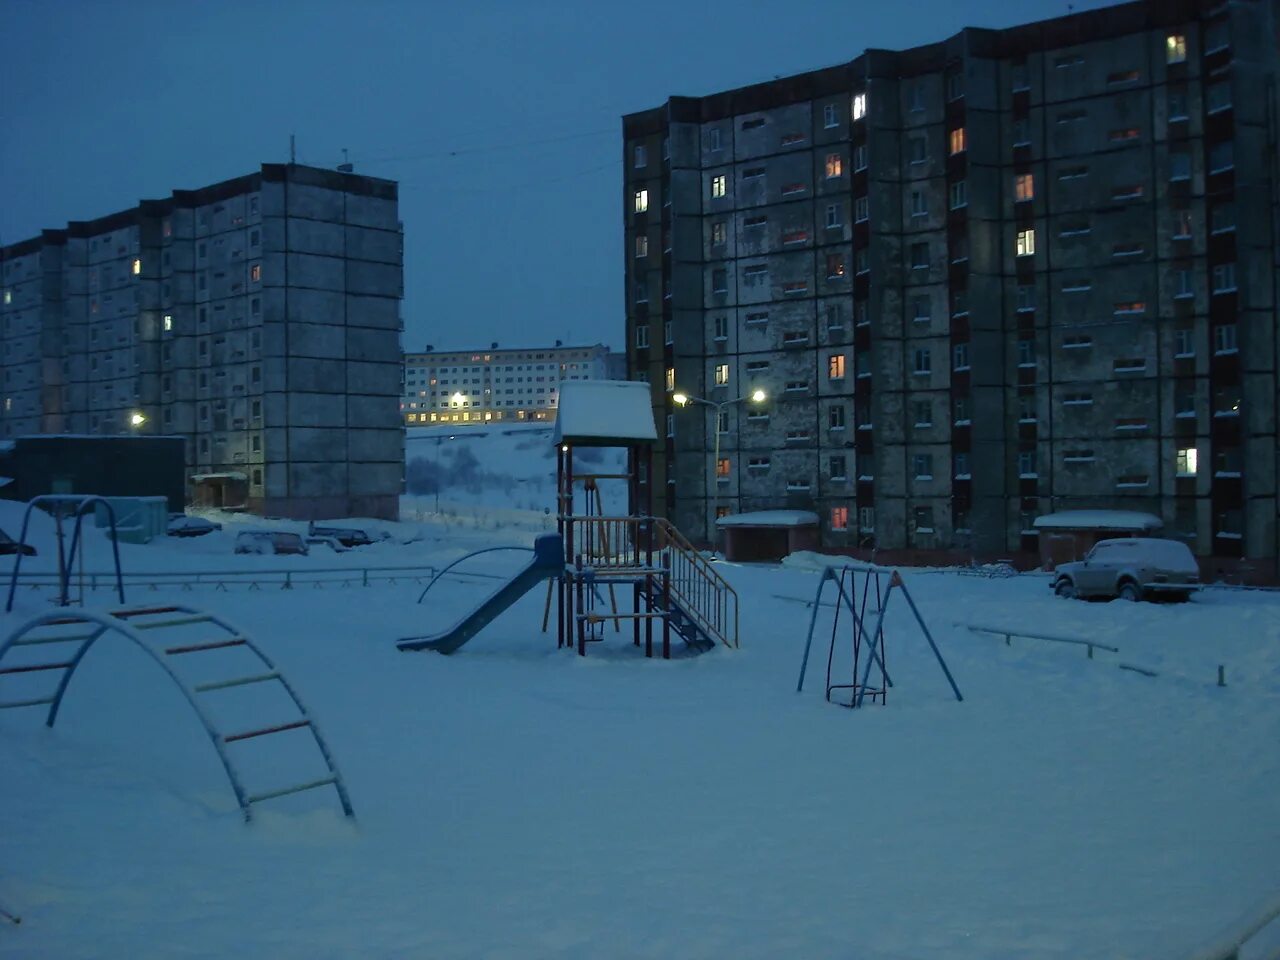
{"type": "Point", "coordinates": [136, 420]}
{"type": "Point", "coordinates": [683, 399]}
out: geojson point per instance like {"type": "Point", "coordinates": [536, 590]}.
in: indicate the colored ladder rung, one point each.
{"type": "Point", "coordinates": [35, 667]}
{"type": "Point", "coordinates": [142, 612]}
{"type": "Point", "coordinates": [211, 645]}
{"type": "Point", "coordinates": [63, 620]}
{"type": "Point", "coordinates": [175, 622]}
{"type": "Point", "coordinates": [25, 703]}
{"type": "Point", "coordinates": [285, 791]}
{"type": "Point", "coordinates": [33, 641]}
{"type": "Point", "coordinates": [238, 682]}
{"type": "Point", "coordinates": [249, 734]}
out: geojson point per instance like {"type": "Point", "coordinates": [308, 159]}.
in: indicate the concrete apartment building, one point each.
{"type": "Point", "coordinates": [258, 318]}
{"type": "Point", "coordinates": [479, 386]}
{"type": "Point", "coordinates": [1007, 274]}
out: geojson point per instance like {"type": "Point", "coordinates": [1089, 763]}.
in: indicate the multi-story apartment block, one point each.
{"type": "Point", "coordinates": [259, 318]}
{"type": "Point", "coordinates": [479, 386]}
{"type": "Point", "coordinates": [1015, 272]}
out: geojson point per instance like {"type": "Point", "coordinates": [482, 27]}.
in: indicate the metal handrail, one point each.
{"type": "Point", "coordinates": [721, 588]}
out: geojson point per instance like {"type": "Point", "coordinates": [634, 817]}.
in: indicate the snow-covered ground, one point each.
{"type": "Point", "coordinates": [517, 801]}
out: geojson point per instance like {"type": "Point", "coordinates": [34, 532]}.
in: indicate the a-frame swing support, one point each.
{"type": "Point", "coordinates": [872, 638]}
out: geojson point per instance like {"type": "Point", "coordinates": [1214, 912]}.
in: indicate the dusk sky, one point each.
{"type": "Point", "coordinates": [501, 120]}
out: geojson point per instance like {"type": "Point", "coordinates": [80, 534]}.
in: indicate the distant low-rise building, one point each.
{"type": "Point", "coordinates": [469, 386]}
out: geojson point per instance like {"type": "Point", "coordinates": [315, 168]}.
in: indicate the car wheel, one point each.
{"type": "Point", "coordinates": [1066, 589]}
{"type": "Point", "coordinates": [1130, 591]}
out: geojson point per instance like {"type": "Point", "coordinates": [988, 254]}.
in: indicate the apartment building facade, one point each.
{"type": "Point", "coordinates": [481, 386]}
{"type": "Point", "coordinates": [1004, 275]}
{"type": "Point", "coordinates": [258, 318]}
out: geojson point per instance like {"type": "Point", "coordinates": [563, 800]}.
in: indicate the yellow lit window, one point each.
{"type": "Point", "coordinates": [718, 186]}
{"type": "Point", "coordinates": [1187, 462]}
{"type": "Point", "coordinates": [255, 272]}
{"type": "Point", "coordinates": [8, 296]}
{"type": "Point", "coordinates": [722, 467]}
{"type": "Point", "coordinates": [168, 322]}
{"type": "Point", "coordinates": [957, 140]}
{"type": "Point", "coordinates": [671, 378]}
{"type": "Point", "coordinates": [642, 201]}
{"type": "Point", "coordinates": [1026, 245]}
{"type": "Point", "coordinates": [1175, 48]}
{"type": "Point", "coordinates": [835, 366]}
{"type": "Point", "coordinates": [839, 518]}
{"type": "Point", "coordinates": [834, 165]}
{"type": "Point", "coordinates": [137, 266]}
{"type": "Point", "coordinates": [1024, 187]}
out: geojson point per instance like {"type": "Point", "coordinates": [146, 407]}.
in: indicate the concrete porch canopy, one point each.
{"type": "Point", "coordinates": [1128, 520]}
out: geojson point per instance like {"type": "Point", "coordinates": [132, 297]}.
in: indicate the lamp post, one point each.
{"type": "Point", "coordinates": [136, 420]}
{"type": "Point", "coordinates": [683, 399]}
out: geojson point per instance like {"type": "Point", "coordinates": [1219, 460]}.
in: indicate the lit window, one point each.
{"type": "Point", "coordinates": [168, 322]}
{"type": "Point", "coordinates": [255, 272]}
{"type": "Point", "coordinates": [642, 201]}
{"type": "Point", "coordinates": [1024, 187]}
{"type": "Point", "coordinates": [1187, 462]}
{"type": "Point", "coordinates": [722, 374]}
{"type": "Point", "coordinates": [839, 518]}
{"type": "Point", "coordinates": [1175, 48]}
{"type": "Point", "coordinates": [137, 266]}
{"type": "Point", "coordinates": [835, 266]}
{"type": "Point", "coordinates": [671, 378]}
{"type": "Point", "coordinates": [859, 106]}
{"type": "Point", "coordinates": [719, 233]}
{"type": "Point", "coordinates": [1123, 134]}
{"type": "Point", "coordinates": [722, 467]}
{"type": "Point", "coordinates": [8, 296]}
{"type": "Point", "coordinates": [1026, 243]}
{"type": "Point", "coordinates": [835, 366]}
{"type": "Point", "coordinates": [957, 140]}
{"type": "Point", "coordinates": [717, 186]}
{"type": "Point", "coordinates": [834, 165]}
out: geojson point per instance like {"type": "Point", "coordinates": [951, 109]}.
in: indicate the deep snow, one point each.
{"type": "Point", "coordinates": [518, 801]}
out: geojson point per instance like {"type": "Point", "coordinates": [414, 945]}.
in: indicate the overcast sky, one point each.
{"type": "Point", "coordinates": [501, 120]}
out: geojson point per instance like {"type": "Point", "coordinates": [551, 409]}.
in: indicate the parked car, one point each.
{"type": "Point", "coordinates": [181, 525]}
{"type": "Point", "coordinates": [347, 536]}
{"type": "Point", "coordinates": [9, 547]}
{"type": "Point", "coordinates": [1132, 568]}
{"type": "Point", "coordinates": [333, 543]}
{"type": "Point", "coordinates": [269, 541]}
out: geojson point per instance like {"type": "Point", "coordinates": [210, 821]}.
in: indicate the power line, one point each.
{"type": "Point", "coordinates": [508, 144]}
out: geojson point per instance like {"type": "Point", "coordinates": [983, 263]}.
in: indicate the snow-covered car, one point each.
{"type": "Point", "coordinates": [181, 525]}
{"type": "Point", "coordinates": [9, 546]}
{"type": "Point", "coordinates": [333, 543]}
{"type": "Point", "coordinates": [347, 536]}
{"type": "Point", "coordinates": [1131, 568]}
{"type": "Point", "coordinates": [269, 541]}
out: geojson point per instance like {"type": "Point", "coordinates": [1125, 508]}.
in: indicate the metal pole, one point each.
{"type": "Point", "coordinates": [715, 480]}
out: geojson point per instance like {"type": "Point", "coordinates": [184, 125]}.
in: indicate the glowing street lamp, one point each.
{"type": "Point", "coordinates": [683, 399]}
{"type": "Point", "coordinates": [136, 420]}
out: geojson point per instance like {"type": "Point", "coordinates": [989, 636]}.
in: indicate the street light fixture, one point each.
{"type": "Point", "coordinates": [136, 420]}
{"type": "Point", "coordinates": [684, 399]}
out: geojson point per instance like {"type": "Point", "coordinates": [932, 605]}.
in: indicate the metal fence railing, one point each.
{"type": "Point", "coordinates": [284, 579]}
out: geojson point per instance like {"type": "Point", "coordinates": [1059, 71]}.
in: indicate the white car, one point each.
{"type": "Point", "coordinates": [1131, 568]}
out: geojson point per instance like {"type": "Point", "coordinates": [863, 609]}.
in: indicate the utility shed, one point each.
{"type": "Point", "coordinates": [768, 534]}
{"type": "Point", "coordinates": [119, 466]}
{"type": "Point", "coordinates": [1069, 534]}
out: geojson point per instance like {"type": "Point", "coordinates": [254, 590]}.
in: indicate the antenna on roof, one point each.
{"type": "Point", "coordinates": [292, 151]}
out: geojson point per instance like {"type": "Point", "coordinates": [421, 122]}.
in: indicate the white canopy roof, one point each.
{"type": "Point", "coordinates": [1098, 520]}
{"type": "Point", "coordinates": [597, 411]}
{"type": "Point", "coordinates": [770, 518]}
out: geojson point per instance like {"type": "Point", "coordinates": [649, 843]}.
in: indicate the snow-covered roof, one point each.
{"type": "Point", "coordinates": [770, 518]}
{"type": "Point", "coordinates": [226, 475]}
{"type": "Point", "coordinates": [1098, 520]}
{"type": "Point", "coordinates": [5, 481]}
{"type": "Point", "coordinates": [605, 410]}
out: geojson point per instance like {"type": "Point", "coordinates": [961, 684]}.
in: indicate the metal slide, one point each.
{"type": "Point", "coordinates": [548, 561]}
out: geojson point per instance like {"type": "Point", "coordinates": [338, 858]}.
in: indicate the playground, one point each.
{"type": "Point", "coordinates": [516, 798]}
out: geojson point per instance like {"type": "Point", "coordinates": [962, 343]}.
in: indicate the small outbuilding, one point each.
{"type": "Point", "coordinates": [1070, 534]}
{"type": "Point", "coordinates": [768, 534]}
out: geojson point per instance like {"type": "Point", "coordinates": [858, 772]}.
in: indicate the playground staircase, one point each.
{"type": "Point", "coordinates": [161, 632]}
{"type": "Point", "coordinates": [703, 608]}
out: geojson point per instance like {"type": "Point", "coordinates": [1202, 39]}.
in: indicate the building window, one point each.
{"type": "Point", "coordinates": [1187, 462]}
{"type": "Point", "coordinates": [920, 309]}
{"type": "Point", "coordinates": [922, 466]}
{"type": "Point", "coordinates": [642, 246]}
{"type": "Point", "coordinates": [1224, 338]}
{"type": "Point", "coordinates": [722, 467]}
{"type": "Point", "coordinates": [957, 140]}
{"type": "Point", "coordinates": [959, 192]}
{"type": "Point", "coordinates": [642, 156]}
{"type": "Point", "coordinates": [836, 468]}
{"type": "Point", "coordinates": [920, 256]}
{"type": "Point", "coordinates": [722, 374]}
{"type": "Point", "coordinates": [641, 201]}
{"type": "Point", "coordinates": [835, 417]}
{"type": "Point", "coordinates": [1184, 287]}
{"type": "Point", "coordinates": [1217, 36]}
{"type": "Point", "coordinates": [719, 233]}
{"type": "Point", "coordinates": [923, 413]}
{"type": "Point", "coordinates": [960, 411]}
{"type": "Point", "coordinates": [834, 165]}
{"type": "Point", "coordinates": [642, 336]}
{"type": "Point", "coordinates": [1175, 48]}
{"type": "Point", "coordinates": [918, 149]}
{"type": "Point", "coordinates": [1026, 243]}
{"type": "Point", "coordinates": [1179, 165]}
{"type": "Point", "coordinates": [923, 362]}
{"type": "Point", "coordinates": [719, 281]}
{"type": "Point", "coordinates": [1027, 465]}
{"type": "Point", "coordinates": [919, 203]}
{"type": "Point", "coordinates": [1181, 224]}
{"type": "Point", "coordinates": [713, 139]}
{"type": "Point", "coordinates": [1221, 157]}
{"type": "Point", "coordinates": [1222, 218]}
{"type": "Point", "coordinates": [137, 266]}
{"type": "Point", "coordinates": [859, 106]}
{"type": "Point", "coordinates": [830, 116]}
{"type": "Point", "coordinates": [833, 215]}
{"type": "Point", "coordinates": [839, 518]}
{"type": "Point", "coordinates": [955, 85]}
{"type": "Point", "coordinates": [961, 466]}
{"type": "Point", "coordinates": [671, 379]}
{"type": "Point", "coordinates": [255, 272]}
{"type": "Point", "coordinates": [1026, 298]}
{"type": "Point", "coordinates": [1024, 187]}
{"type": "Point", "coordinates": [960, 356]}
{"type": "Point", "coordinates": [1123, 134]}
{"type": "Point", "coordinates": [835, 366]}
{"type": "Point", "coordinates": [1218, 97]}
{"type": "Point", "coordinates": [835, 266]}
{"type": "Point", "coordinates": [861, 209]}
{"type": "Point", "coordinates": [860, 157]}
{"type": "Point", "coordinates": [1224, 277]}
{"type": "Point", "coordinates": [1021, 132]}
{"type": "Point", "coordinates": [717, 186]}
{"type": "Point", "coordinates": [1026, 353]}
{"type": "Point", "coordinates": [168, 322]}
{"type": "Point", "coordinates": [722, 421]}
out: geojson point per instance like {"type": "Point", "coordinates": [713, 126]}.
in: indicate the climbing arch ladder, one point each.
{"type": "Point", "coordinates": [54, 644]}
